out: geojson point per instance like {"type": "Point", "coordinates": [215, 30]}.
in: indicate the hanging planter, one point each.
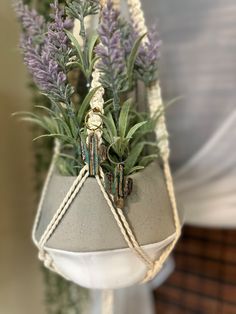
{"type": "Point", "coordinates": [107, 217]}
{"type": "Point", "coordinates": [88, 246]}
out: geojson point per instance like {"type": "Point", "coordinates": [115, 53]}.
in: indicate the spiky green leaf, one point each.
{"type": "Point", "coordinates": [146, 160]}
{"type": "Point", "coordinates": [134, 129]}
{"type": "Point", "coordinates": [124, 118]}
{"type": "Point", "coordinates": [91, 44]}
{"type": "Point", "coordinates": [110, 124]}
{"type": "Point", "coordinates": [132, 57]}
{"type": "Point", "coordinates": [133, 157]}
{"type": "Point", "coordinates": [77, 46]}
{"type": "Point", "coordinates": [85, 104]}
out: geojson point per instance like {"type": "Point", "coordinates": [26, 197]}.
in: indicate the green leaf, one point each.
{"type": "Point", "coordinates": [37, 122]}
{"type": "Point", "coordinates": [67, 156]}
{"type": "Point", "coordinates": [107, 136]}
{"type": "Point", "coordinates": [44, 136]}
{"type": "Point", "coordinates": [46, 109]}
{"type": "Point", "coordinates": [91, 44]}
{"type": "Point", "coordinates": [61, 109]}
{"type": "Point", "coordinates": [136, 168]}
{"type": "Point", "coordinates": [91, 65]}
{"type": "Point", "coordinates": [124, 117]}
{"type": "Point", "coordinates": [25, 113]}
{"type": "Point", "coordinates": [134, 129]}
{"type": "Point", "coordinates": [108, 106]}
{"type": "Point", "coordinates": [85, 104]}
{"type": "Point", "coordinates": [77, 47]}
{"type": "Point", "coordinates": [51, 123]}
{"type": "Point", "coordinates": [132, 57]}
{"type": "Point", "coordinates": [64, 126]}
{"type": "Point", "coordinates": [74, 128]}
{"type": "Point", "coordinates": [149, 143]}
{"type": "Point", "coordinates": [75, 63]}
{"type": "Point", "coordinates": [120, 146]}
{"type": "Point", "coordinates": [61, 136]}
{"type": "Point", "coordinates": [148, 128]}
{"type": "Point", "coordinates": [110, 124]}
{"type": "Point", "coordinates": [133, 157]}
{"type": "Point", "coordinates": [108, 103]}
{"type": "Point", "coordinates": [147, 160]}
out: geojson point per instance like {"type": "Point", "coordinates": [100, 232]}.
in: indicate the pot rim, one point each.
{"type": "Point", "coordinates": [56, 174]}
{"type": "Point", "coordinates": [160, 245]}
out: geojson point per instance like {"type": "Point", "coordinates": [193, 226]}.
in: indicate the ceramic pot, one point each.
{"type": "Point", "coordinates": [87, 246]}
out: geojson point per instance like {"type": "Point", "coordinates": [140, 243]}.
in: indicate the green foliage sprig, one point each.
{"type": "Point", "coordinates": [126, 132]}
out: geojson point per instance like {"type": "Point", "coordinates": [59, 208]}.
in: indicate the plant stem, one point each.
{"type": "Point", "coordinates": [85, 50]}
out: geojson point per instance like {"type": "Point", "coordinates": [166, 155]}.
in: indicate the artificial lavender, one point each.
{"type": "Point", "coordinates": [146, 63]}
{"type": "Point", "coordinates": [46, 62]}
{"type": "Point", "coordinates": [110, 51]}
{"type": "Point", "coordinates": [56, 39]}
{"type": "Point", "coordinates": [45, 70]}
{"type": "Point", "coordinates": [148, 57]}
{"type": "Point", "coordinates": [31, 21]}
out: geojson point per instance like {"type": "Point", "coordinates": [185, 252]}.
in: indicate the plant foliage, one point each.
{"type": "Point", "coordinates": [120, 55]}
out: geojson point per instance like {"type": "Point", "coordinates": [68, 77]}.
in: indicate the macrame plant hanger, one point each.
{"type": "Point", "coordinates": [92, 168]}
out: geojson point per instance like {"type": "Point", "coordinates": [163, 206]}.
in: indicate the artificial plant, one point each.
{"type": "Point", "coordinates": [57, 61]}
{"type": "Point", "coordinates": [62, 66]}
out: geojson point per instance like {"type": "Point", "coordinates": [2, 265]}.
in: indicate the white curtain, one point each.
{"type": "Point", "coordinates": [199, 63]}
{"type": "Point", "coordinates": [206, 183]}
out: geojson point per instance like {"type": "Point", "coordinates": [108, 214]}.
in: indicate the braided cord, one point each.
{"type": "Point", "coordinates": [107, 301]}
{"type": "Point", "coordinates": [71, 194]}
{"type": "Point", "coordinates": [45, 188]}
{"type": "Point", "coordinates": [156, 104]}
{"type": "Point", "coordinates": [124, 228]}
{"type": "Point", "coordinates": [94, 122]}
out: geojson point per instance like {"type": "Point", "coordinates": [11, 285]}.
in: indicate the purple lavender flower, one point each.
{"type": "Point", "coordinates": [148, 56]}
{"type": "Point", "coordinates": [146, 63]}
{"type": "Point", "coordinates": [128, 36]}
{"type": "Point", "coordinates": [110, 50]}
{"type": "Point", "coordinates": [56, 38]}
{"type": "Point", "coordinates": [46, 62]}
{"type": "Point", "coordinates": [45, 71]}
{"type": "Point", "coordinates": [33, 25]}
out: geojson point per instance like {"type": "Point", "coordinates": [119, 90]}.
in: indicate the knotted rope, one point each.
{"type": "Point", "coordinates": [156, 104]}
{"type": "Point", "coordinates": [107, 301]}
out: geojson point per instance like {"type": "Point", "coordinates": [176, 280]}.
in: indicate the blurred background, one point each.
{"type": "Point", "coordinates": [20, 277]}
{"type": "Point", "coordinates": [199, 63]}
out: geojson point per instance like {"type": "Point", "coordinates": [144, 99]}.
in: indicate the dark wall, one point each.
{"type": "Point", "coordinates": [204, 281]}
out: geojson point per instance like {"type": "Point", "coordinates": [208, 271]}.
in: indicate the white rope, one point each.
{"type": "Point", "coordinates": [94, 121]}
{"type": "Point", "coordinates": [116, 4]}
{"type": "Point", "coordinates": [156, 104]}
{"type": "Point", "coordinates": [45, 188]}
{"type": "Point", "coordinates": [137, 16]}
{"type": "Point", "coordinates": [107, 301]}
{"type": "Point", "coordinates": [73, 191]}
{"type": "Point", "coordinates": [124, 228]}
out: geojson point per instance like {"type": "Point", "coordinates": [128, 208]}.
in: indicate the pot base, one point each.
{"type": "Point", "coordinates": [111, 269]}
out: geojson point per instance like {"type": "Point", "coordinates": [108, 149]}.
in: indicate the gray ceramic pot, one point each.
{"type": "Point", "coordinates": [87, 246]}
{"type": "Point", "coordinates": [89, 225]}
